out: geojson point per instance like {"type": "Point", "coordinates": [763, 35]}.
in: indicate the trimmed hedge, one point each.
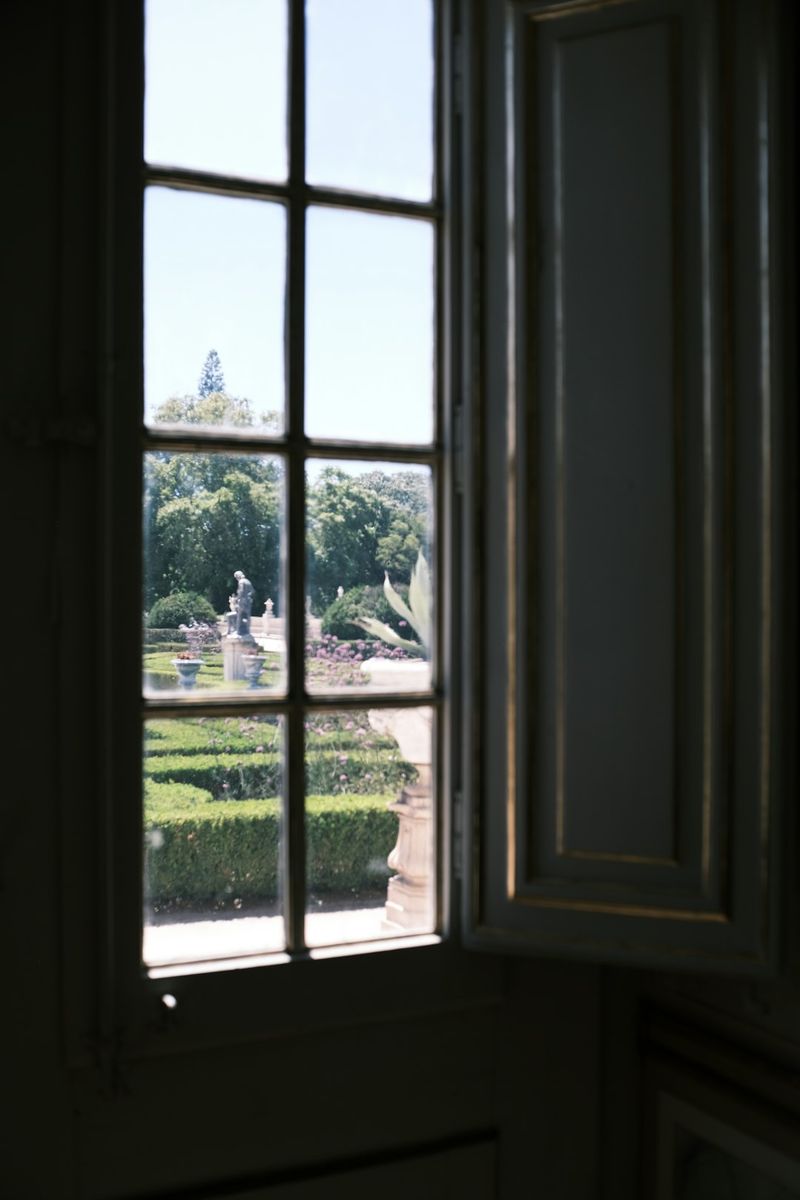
{"type": "Point", "coordinates": [171, 639]}
{"type": "Point", "coordinates": [211, 736]}
{"type": "Point", "coordinates": [169, 797]}
{"type": "Point", "coordinates": [241, 735]}
{"type": "Point", "coordinates": [214, 851]}
{"type": "Point", "coordinates": [258, 776]}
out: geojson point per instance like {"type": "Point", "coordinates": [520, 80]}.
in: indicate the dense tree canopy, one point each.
{"type": "Point", "coordinates": [357, 530]}
{"type": "Point", "coordinates": [208, 515]}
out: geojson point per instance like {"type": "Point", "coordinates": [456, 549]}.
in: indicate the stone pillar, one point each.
{"type": "Point", "coordinates": [410, 893]}
{"type": "Point", "coordinates": [232, 654]}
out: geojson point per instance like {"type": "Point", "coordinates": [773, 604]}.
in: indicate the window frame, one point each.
{"type": "Point", "coordinates": [297, 197]}
{"type": "Point", "coordinates": [122, 1003]}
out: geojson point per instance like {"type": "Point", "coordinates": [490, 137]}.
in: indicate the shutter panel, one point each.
{"type": "Point", "coordinates": [623, 803]}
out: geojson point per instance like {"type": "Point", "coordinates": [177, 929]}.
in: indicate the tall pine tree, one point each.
{"type": "Point", "coordinates": [211, 377]}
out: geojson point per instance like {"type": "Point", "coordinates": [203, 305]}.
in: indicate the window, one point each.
{"type": "Point", "coordinates": [575, 839]}
{"type": "Point", "coordinates": [293, 456]}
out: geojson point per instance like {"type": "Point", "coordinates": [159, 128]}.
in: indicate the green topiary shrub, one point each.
{"type": "Point", "coordinates": [180, 608]}
{"type": "Point", "coordinates": [364, 601]}
{"type": "Point", "coordinates": [213, 851]}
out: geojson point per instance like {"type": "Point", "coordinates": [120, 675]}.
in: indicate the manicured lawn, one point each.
{"type": "Point", "coordinates": [161, 675]}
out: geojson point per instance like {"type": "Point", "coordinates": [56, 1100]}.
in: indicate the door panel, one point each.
{"type": "Point", "coordinates": [625, 803]}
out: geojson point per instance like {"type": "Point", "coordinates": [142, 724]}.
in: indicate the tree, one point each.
{"type": "Point", "coordinates": [409, 491]}
{"type": "Point", "coordinates": [211, 377]}
{"type": "Point", "coordinates": [211, 408]}
{"type": "Point", "coordinates": [397, 551]}
{"type": "Point", "coordinates": [201, 539]}
{"type": "Point", "coordinates": [355, 533]}
{"type": "Point", "coordinates": [207, 515]}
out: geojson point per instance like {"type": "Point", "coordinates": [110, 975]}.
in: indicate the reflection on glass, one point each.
{"type": "Point", "coordinates": [368, 522]}
{"type": "Point", "coordinates": [214, 272]}
{"type": "Point", "coordinates": [369, 825]}
{"type": "Point", "coordinates": [213, 601]}
{"type": "Point", "coordinates": [215, 89]}
{"type": "Point", "coordinates": [370, 96]}
{"type": "Point", "coordinates": [369, 345]}
{"type": "Point", "coordinates": [212, 834]}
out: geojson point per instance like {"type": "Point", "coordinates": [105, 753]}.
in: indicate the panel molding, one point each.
{"type": "Point", "coordinates": [702, 892]}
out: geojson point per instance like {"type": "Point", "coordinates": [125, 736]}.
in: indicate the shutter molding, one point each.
{"type": "Point", "coordinates": [623, 806]}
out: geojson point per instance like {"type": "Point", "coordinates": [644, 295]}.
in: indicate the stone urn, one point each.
{"type": "Point", "coordinates": [410, 893]}
{"type": "Point", "coordinates": [187, 669]}
{"type": "Point", "coordinates": [253, 665]}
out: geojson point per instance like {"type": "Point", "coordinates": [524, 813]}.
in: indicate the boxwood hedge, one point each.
{"type": "Point", "coordinates": [258, 776]}
{"type": "Point", "coordinates": [234, 735]}
{"type": "Point", "coordinates": [202, 851]}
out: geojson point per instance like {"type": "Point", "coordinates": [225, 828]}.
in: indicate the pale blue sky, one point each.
{"type": "Point", "coordinates": [215, 267]}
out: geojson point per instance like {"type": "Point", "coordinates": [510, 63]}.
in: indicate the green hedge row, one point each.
{"type": "Point", "coordinates": [203, 851]}
{"type": "Point", "coordinates": [244, 777]}
{"type": "Point", "coordinates": [165, 799]}
{"type": "Point", "coordinates": [246, 736]}
{"type": "Point", "coordinates": [212, 736]}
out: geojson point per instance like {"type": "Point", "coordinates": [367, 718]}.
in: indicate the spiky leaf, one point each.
{"type": "Point", "coordinates": [387, 634]}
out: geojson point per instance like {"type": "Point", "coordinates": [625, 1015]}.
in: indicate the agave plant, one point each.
{"type": "Point", "coordinates": [417, 612]}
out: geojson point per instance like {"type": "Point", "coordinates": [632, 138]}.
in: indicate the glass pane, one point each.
{"type": "Point", "coordinates": [369, 522]}
{"type": "Point", "coordinates": [212, 837]}
{"type": "Point", "coordinates": [215, 95]}
{"type": "Point", "coordinates": [370, 335]}
{"type": "Point", "coordinates": [369, 825]}
{"type": "Point", "coordinates": [370, 96]}
{"type": "Point", "coordinates": [214, 283]}
{"type": "Point", "coordinates": [213, 576]}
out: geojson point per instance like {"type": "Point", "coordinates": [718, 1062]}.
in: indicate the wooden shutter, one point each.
{"type": "Point", "coordinates": [627, 665]}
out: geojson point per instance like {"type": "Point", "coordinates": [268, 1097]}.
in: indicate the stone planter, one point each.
{"type": "Point", "coordinates": [253, 665]}
{"type": "Point", "coordinates": [187, 669]}
{"type": "Point", "coordinates": [410, 893]}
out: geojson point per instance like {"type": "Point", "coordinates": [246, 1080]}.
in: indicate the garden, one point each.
{"type": "Point", "coordinates": [213, 785]}
{"type": "Point", "coordinates": [213, 808]}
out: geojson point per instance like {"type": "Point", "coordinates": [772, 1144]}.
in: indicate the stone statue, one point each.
{"type": "Point", "coordinates": [244, 604]}
{"type": "Point", "coordinates": [232, 606]}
